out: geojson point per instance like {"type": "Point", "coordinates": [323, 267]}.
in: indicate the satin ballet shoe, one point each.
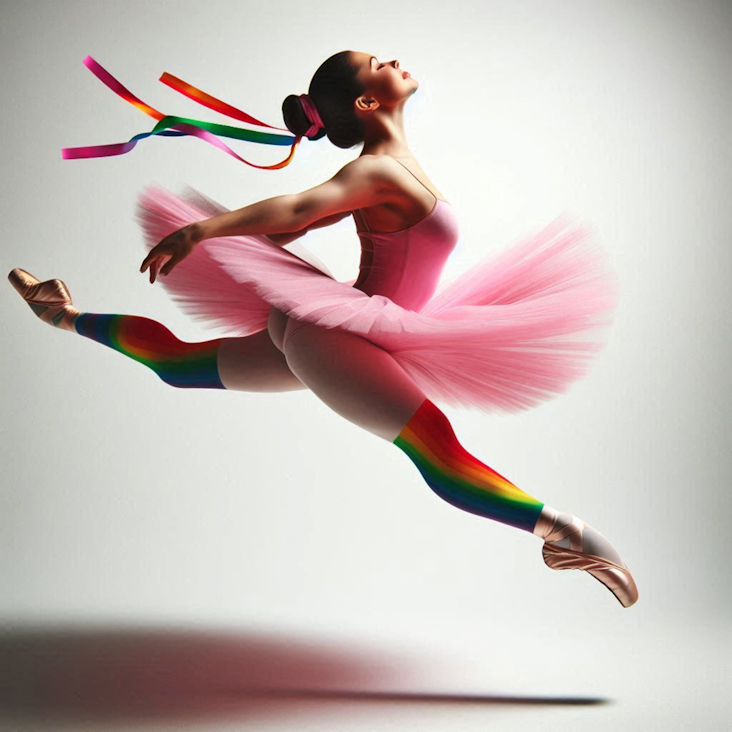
{"type": "Point", "coordinates": [570, 543]}
{"type": "Point", "coordinates": [49, 300]}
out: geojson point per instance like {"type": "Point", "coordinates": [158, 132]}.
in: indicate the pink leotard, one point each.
{"type": "Point", "coordinates": [403, 265]}
{"type": "Point", "coordinates": [406, 265]}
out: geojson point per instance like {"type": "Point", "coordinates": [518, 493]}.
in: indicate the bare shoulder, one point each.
{"type": "Point", "coordinates": [361, 183]}
{"type": "Point", "coordinates": [368, 180]}
{"type": "Point", "coordinates": [376, 169]}
{"type": "Point", "coordinates": [383, 166]}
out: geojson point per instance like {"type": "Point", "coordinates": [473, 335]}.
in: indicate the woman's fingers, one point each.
{"type": "Point", "coordinates": [155, 253]}
{"type": "Point", "coordinates": [169, 252]}
{"type": "Point", "coordinates": [151, 257]}
{"type": "Point", "coordinates": [156, 266]}
{"type": "Point", "coordinates": [161, 262]}
{"type": "Point", "coordinates": [168, 266]}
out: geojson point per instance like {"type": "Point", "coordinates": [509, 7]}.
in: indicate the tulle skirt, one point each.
{"type": "Point", "coordinates": [513, 331]}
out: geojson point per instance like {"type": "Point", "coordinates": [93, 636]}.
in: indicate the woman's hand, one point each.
{"type": "Point", "coordinates": [171, 250]}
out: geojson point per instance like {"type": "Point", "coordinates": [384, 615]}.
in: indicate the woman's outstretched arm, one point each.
{"type": "Point", "coordinates": [282, 239]}
{"type": "Point", "coordinates": [363, 182]}
{"type": "Point", "coordinates": [359, 184]}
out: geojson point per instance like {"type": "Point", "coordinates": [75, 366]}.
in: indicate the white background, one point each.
{"type": "Point", "coordinates": [128, 505]}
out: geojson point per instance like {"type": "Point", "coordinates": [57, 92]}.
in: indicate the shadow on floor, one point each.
{"type": "Point", "coordinates": [112, 674]}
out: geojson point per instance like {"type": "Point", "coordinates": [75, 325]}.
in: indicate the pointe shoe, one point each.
{"type": "Point", "coordinates": [49, 300]}
{"type": "Point", "coordinates": [563, 528]}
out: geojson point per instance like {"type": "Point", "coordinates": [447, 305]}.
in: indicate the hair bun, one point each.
{"type": "Point", "coordinates": [296, 120]}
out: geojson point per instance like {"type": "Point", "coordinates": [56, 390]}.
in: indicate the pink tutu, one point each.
{"type": "Point", "coordinates": [511, 332]}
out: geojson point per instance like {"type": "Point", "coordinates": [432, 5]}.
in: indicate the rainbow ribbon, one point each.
{"type": "Point", "coordinates": [173, 126]}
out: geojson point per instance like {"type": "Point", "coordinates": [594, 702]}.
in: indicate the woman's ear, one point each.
{"type": "Point", "coordinates": [365, 104]}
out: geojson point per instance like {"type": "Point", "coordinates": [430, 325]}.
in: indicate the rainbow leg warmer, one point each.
{"type": "Point", "coordinates": [458, 477]}
{"type": "Point", "coordinates": [180, 364]}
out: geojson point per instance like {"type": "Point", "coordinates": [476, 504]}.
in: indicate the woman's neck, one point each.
{"type": "Point", "coordinates": [385, 135]}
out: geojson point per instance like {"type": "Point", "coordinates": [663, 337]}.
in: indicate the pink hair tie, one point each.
{"type": "Point", "coordinates": [312, 115]}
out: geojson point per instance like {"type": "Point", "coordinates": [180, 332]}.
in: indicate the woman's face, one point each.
{"type": "Point", "coordinates": [383, 80]}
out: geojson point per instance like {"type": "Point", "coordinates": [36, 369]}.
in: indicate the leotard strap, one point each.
{"type": "Point", "coordinates": [415, 177]}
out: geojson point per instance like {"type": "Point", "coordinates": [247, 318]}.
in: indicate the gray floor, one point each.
{"type": "Point", "coordinates": [134, 678]}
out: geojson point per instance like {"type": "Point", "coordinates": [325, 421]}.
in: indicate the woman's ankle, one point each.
{"type": "Point", "coordinates": [570, 532]}
{"type": "Point", "coordinates": [546, 522]}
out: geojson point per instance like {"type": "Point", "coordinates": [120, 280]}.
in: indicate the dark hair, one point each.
{"type": "Point", "coordinates": [333, 89]}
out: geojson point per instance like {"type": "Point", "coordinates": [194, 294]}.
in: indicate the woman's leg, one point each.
{"type": "Point", "coordinates": [364, 383]}
{"type": "Point", "coordinates": [248, 363]}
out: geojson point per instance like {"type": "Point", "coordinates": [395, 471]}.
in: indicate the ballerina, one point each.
{"type": "Point", "coordinates": [380, 350]}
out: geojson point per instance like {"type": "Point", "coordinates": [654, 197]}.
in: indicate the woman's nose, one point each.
{"type": "Point", "coordinates": [396, 64]}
